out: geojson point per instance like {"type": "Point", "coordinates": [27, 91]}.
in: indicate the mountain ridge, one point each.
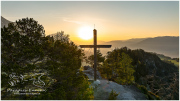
{"type": "Point", "coordinates": [4, 22]}
{"type": "Point", "coordinates": [167, 45]}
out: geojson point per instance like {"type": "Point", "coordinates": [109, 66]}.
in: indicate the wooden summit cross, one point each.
{"type": "Point", "coordinates": [95, 46]}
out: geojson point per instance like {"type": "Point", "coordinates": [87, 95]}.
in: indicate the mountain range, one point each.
{"type": "Point", "coordinates": [167, 45]}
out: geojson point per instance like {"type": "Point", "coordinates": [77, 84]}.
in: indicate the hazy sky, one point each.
{"type": "Point", "coordinates": [114, 20]}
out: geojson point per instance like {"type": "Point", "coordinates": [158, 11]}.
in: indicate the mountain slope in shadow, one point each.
{"type": "Point", "coordinates": [166, 45]}
{"type": "Point", "coordinates": [4, 22]}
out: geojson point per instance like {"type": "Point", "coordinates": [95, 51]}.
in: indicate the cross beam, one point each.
{"type": "Point", "coordinates": [95, 46]}
{"type": "Point", "coordinates": [98, 46]}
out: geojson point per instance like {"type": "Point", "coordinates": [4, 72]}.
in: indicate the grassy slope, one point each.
{"type": "Point", "coordinates": [173, 61]}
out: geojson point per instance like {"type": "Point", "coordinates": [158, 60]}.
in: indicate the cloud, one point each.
{"type": "Point", "coordinates": [73, 21]}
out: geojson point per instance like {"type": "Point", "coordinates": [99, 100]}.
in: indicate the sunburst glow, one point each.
{"type": "Point", "coordinates": [85, 33]}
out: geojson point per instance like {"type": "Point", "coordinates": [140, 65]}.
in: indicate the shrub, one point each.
{"type": "Point", "coordinates": [149, 95]}
{"type": "Point", "coordinates": [143, 89]}
{"type": "Point", "coordinates": [113, 95]}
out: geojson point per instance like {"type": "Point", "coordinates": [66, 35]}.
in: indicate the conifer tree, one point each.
{"type": "Point", "coordinates": [118, 67]}
{"type": "Point", "coordinates": [25, 49]}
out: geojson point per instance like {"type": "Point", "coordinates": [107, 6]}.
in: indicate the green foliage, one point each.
{"type": "Point", "coordinates": [81, 68]}
{"type": "Point", "coordinates": [162, 57]}
{"type": "Point", "coordinates": [78, 90]}
{"type": "Point", "coordinates": [143, 89]}
{"type": "Point", "coordinates": [100, 59]}
{"type": "Point", "coordinates": [154, 96]}
{"type": "Point", "coordinates": [118, 67]}
{"type": "Point", "coordinates": [174, 61]}
{"type": "Point", "coordinates": [21, 48]}
{"type": "Point", "coordinates": [126, 70]}
{"type": "Point", "coordinates": [113, 95]}
{"type": "Point", "coordinates": [149, 95]}
{"type": "Point", "coordinates": [21, 45]}
{"type": "Point", "coordinates": [25, 49]}
{"type": "Point", "coordinates": [106, 71]}
{"type": "Point", "coordinates": [64, 67]}
{"type": "Point", "coordinates": [149, 70]}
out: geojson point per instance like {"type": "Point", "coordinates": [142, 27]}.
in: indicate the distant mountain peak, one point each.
{"type": "Point", "coordinates": [4, 22]}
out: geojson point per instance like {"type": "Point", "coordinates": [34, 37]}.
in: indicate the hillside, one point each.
{"type": "Point", "coordinates": [151, 74]}
{"type": "Point", "coordinates": [122, 43]}
{"type": "Point", "coordinates": [173, 61]}
{"type": "Point", "coordinates": [4, 22]}
{"type": "Point", "coordinates": [166, 45]}
{"type": "Point", "coordinates": [157, 76]}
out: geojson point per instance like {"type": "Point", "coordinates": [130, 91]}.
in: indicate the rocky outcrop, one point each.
{"type": "Point", "coordinates": [125, 92]}
{"type": "Point", "coordinates": [104, 88]}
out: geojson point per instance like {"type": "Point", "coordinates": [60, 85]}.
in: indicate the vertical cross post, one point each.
{"type": "Point", "coordinates": [95, 52]}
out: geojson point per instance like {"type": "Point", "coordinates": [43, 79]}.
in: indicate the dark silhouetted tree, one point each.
{"type": "Point", "coordinates": [25, 49]}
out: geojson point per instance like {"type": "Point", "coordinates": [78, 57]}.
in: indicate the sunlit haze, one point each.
{"type": "Point", "coordinates": [114, 20]}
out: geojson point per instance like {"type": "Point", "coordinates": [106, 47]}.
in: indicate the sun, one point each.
{"type": "Point", "coordinates": [85, 33]}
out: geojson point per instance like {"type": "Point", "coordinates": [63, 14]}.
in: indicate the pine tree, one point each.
{"type": "Point", "coordinates": [119, 67]}
{"type": "Point", "coordinates": [125, 71]}
{"type": "Point", "coordinates": [25, 49]}
{"type": "Point", "coordinates": [21, 45]}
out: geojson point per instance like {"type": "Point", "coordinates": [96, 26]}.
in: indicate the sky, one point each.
{"type": "Point", "coordinates": [114, 20]}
